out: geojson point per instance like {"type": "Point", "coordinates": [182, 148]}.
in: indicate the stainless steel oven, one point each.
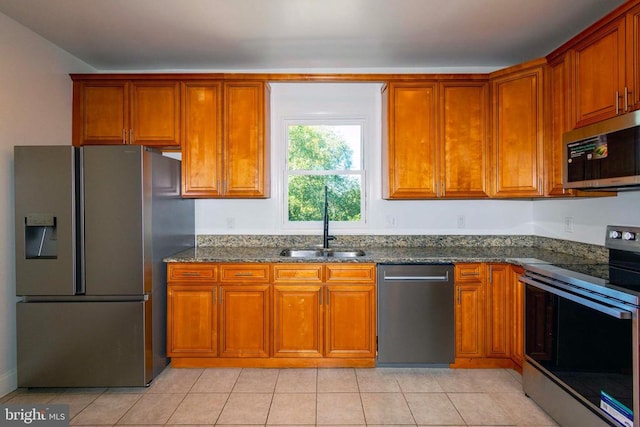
{"type": "Point", "coordinates": [581, 336]}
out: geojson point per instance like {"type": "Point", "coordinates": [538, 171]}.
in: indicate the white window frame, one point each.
{"type": "Point", "coordinates": [329, 120]}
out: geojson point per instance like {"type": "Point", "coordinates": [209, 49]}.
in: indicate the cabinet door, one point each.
{"type": "Point", "coordinates": [498, 295]}
{"type": "Point", "coordinates": [350, 327]}
{"type": "Point", "coordinates": [297, 321]}
{"type": "Point", "coordinates": [599, 74]}
{"type": "Point", "coordinates": [246, 139]}
{"type": "Point", "coordinates": [558, 123]}
{"type": "Point", "coordinates": [633, 57]}
{"type": "Point", "coordinates": [244, 320]}
{"type": "Point", "coordinates": [469, 310]}
{"type": "Point", "coordinates": [410, 150]}
{"type": "Point", "coordinates": [464, 109]}
{"type": "Point", "coordinates": [100, 112]}
{"type": "Point", "coordinates": [155, 113]}
{"type": "Point", "coordinates": [192, 320]}
{"type": "Point", "coordinates": [202, 139]}
{"type": "Point", "coordinates": [517, 315]}
{"type": "Point", "coordinates": [518, 125]}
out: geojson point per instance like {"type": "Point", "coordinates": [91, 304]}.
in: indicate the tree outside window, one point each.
{"type": "Point", "coordinates": [322, 155]}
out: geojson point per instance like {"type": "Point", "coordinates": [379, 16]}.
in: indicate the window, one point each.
{"type": "Point", "coordinates": [324, 153]}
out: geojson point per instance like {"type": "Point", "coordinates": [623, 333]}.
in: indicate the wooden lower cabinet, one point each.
{"type": "Point", "coordinates": [192, 310]}
{"type": "Point", "coordinates": [324, 315]}
{"type": "Point", "coordinates": [489, 316]}
{"type": "Point", "coordinates": [298, 310]}
{"type": "Point", "coordinates": [350, 329]}
{"type": "Point", "coordinates": [279, 315]}
{"type": "Point", "coordinates": [469, 311]}
{"type": "Point", "coordinates": [193, 329]}
{"type": "Point", "coordinates": [244, 320]}
{"type": "Point", "coordinates": [324, 310]}
{"type": "Point", "coordinates": [297, 321]}
{"type": "Point", "coordinates": [517, 347]}
{"type": "Point", "coordinates": [499, 314]}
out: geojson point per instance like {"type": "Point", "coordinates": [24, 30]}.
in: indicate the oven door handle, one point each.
{"type": "Point", "coordinates": [611, 311]}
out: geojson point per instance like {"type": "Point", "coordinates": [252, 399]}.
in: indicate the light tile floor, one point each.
{"type": "Point", "coordinates": [305, 397]}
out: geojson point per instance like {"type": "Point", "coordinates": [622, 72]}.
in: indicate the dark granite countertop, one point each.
{"type": "Point", "coordinates": [385, 255]}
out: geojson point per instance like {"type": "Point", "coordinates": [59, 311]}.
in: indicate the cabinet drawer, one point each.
{"type": "Point", "coordinates": [351, 273]}
{"type": "Point", "coordinates": [297, 273]}
{"type": "Point", "coordinates": [192, 272]}
{"type": "Point", "coordinates": [472, 272]}
{"type": "Point", "coordinates": [244, 273]}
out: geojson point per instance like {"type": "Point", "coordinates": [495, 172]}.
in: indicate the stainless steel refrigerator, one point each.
{"type": "Point", "coordinates": [92, 226]}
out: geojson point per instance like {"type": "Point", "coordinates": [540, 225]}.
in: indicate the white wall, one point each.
{"type": "Point", "coordinates": [589, 216]}
{"type": "Point", "coordinates": [35, 108]}
{"type": "Point", "coordinates": [385, 217]}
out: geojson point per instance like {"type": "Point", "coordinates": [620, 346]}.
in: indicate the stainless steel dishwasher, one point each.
{"type": "Point", "coordinates": [415, 314]}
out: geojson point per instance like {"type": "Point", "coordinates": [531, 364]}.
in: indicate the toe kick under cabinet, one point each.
{"type": "Point", "coordinates": [271, 315]}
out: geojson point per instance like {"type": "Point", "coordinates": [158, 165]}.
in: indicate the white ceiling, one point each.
{"type": "Point", "coordinates": [271, 35]}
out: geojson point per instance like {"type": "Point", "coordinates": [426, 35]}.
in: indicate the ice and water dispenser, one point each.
{"type": "Point", "coordinates": [40, 235]}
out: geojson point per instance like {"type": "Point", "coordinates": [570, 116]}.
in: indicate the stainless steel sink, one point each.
{"type": "Point", "coordinates": [322, 253]}
{"type": "Point", "coordinates": [302, 253]}
{"type": "Point", "coordinates": [352, 253]}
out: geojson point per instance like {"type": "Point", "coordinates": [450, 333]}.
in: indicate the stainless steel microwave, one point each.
{"type": "Point", "coordinates": [605, 155]}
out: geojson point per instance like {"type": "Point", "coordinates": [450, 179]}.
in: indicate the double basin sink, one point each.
{"type": "Point", "coordinates": [322, 253]}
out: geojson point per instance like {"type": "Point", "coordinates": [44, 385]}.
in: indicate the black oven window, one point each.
{"type": "Point", "coordinates": [588, 351]}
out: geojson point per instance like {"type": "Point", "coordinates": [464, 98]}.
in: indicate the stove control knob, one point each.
{"type": "Point", "coordinates": [629, 235]}
{"type": "Point", "coordinates": [614, 234]}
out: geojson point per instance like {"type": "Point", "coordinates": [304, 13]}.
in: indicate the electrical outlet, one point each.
{"type": "Point", "coordinates": [231, 223]}
{"type": "Point", "coordinates": [391, 221]}
{"type": "Point", "coordinates": [568, 224]}
{"type": "Point", "coordinates": [461, 221]}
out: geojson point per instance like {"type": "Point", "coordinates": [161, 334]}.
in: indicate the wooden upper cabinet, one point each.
{"type": "Point", "coordinates": [599, 70]}
{"type": "Point", "coordinates": [126, 112]}
{"type": "Point", "coordinates": [155, 113]}
{"type": "Point", "coordinates": [225, 153]}
{"type": "Point", "coordinates": [246, 148]}
{"type": "Point", "coordinates": [409, 142]}
{"type": "Point", "coordinates": [436, 139]}
{"type": "Point", "coordinates": [518, 131]}
{"type": "Point", "coordinates": [464, 122]}
{"type": "Point", "coordinates": [633, 57]}
{"type": "Point", "coordinates": [558, 122]}
{"type": "Point", "coordinates": [202, 139]}
{"type": "Point", "coordinates": [100, 112]}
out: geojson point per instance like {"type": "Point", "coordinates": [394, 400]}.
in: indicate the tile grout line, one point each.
{"type": "Point", "coordinates": [405, 400]}
{"type": "Point", "coordinates": [273, 394]}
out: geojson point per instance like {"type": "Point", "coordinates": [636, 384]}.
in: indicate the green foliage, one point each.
{"type": "Point", "coordinates": [317, 148]}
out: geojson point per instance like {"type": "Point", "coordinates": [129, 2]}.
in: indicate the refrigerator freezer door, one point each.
{"type": "Point", "coordinates": [83, 344]}
{"type": "Point", "coordinates": [45, 220]}
{"type": "Point", "coordinates": [117, 201]}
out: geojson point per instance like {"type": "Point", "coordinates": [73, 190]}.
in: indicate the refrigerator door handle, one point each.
{"type": "Point", "coordinates": [81, 285]}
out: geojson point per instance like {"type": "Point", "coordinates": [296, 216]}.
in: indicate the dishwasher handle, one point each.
{"type": "Point", "coordinates": [444, 278]}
